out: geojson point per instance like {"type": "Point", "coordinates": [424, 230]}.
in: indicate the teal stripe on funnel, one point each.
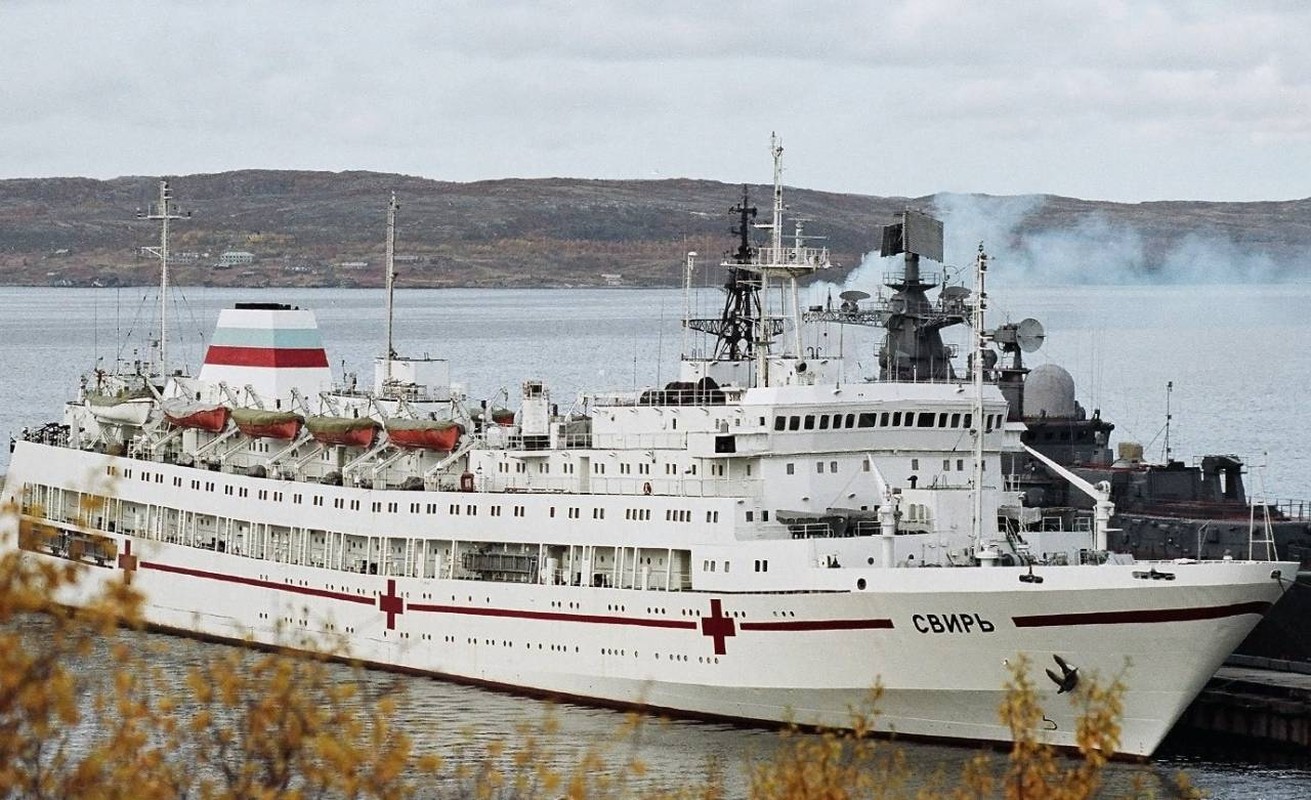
{"type": "Point", "coordinates": [264, 337]}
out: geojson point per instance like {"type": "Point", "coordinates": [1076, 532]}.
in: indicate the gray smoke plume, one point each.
{"type": "Point", "coordinates": [1086, 248]}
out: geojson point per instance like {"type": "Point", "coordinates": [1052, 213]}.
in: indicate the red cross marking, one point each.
{"type": "Point", "coordinates": [127, 562]}
{"type": "Point", "coordinates": [718, 626]}
{"type": "Point", "coordinates": [391, 604]}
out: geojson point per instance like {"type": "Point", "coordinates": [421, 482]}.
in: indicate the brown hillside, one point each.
{"type": "Point", "coordinates": [313, 228]}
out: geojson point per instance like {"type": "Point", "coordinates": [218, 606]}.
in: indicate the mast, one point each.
{"type": "Point", "coordinates": [735, 328]}
{"type": "Point", "coordinates": [392, 208]}
{"type": "Point", "coordinates": [164, 211]}
{"type": "Point", "coordinates": [687, 299]}
{"type": "Point", "coordinates": [981, 338]}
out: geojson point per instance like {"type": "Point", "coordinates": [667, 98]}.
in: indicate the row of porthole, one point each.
{"type": "Point", "coordinates": [561, 604]}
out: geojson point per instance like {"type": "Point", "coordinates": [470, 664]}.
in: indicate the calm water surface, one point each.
{"type": "Point", "coordinates": [1239, 358]}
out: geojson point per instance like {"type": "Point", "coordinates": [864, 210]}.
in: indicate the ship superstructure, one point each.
{"type": "Point", "coordinates": [761, 540]}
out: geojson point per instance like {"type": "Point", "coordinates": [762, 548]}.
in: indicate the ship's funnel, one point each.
{"type": "Point", "coordinates": [271, 348]}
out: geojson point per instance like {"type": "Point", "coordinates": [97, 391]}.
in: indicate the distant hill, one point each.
{"type": "Point", "coordinates": [327, 229]}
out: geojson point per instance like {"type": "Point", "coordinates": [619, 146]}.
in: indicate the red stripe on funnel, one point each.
{"type": "Point", "coordinates": [227, 356]}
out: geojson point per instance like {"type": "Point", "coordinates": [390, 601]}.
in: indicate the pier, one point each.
{"type": "Point", "coordinates": [1259, 701]}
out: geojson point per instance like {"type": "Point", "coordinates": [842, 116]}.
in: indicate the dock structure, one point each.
{"type": "Point", "coordinates": [1257, 700]}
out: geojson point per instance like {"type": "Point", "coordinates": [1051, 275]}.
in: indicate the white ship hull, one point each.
{"type": "Point", "coordinates": [937, 641]}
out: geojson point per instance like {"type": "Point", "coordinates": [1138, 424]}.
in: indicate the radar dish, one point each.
{"type": "Point", "coordinates": [854, 295]}
{"type": "Point", "coordinates": [1029, 335]}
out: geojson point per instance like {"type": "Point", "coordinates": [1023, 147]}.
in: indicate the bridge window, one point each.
{"type": "Point", "coordinates": [866, 420]}
{"type": "Point", "coordinates": [794, 423]}
{"type": "Point", "coordinates": [810, 422]}
{"type": "Point", "coordinates": [780, 423]}
{"type": "Point", "coordinates": [823, 422]}
{"type": "Point", "coordinates": [896, 419]}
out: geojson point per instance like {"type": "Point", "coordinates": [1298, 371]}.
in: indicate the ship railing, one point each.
{"type": "Point", "coordinates": [815, 257]}
{"type": "Point", "coordinates": [1292, 509]}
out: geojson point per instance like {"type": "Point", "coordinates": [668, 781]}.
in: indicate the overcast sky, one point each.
{"type": "Point", "coordinates": [1119, 100]}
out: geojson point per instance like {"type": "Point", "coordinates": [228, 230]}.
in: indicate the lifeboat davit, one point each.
{"type": "Point", "coordinates": [426, 434]}
{"type": "Point", "coordinates": [348, 431]}
{"type": "Point", "coordinates": [212, 417]}
{"type": "Point", "coordinates": [257, 422]}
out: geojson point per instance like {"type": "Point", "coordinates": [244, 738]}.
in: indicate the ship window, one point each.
{"type": "Point", "coordinates": [809, 422]}
{"type": "Point", "coordinates": [955, 420]}
{"type": "Point", "coordinates": [751, 515]}
{"type": "Point", "coordinates": [960, 465]}
{"type": "Point", "coordinates": [926, 419]}
{"type": "Point", "coordinates": [883, 420]}
{"type": "Point", "coordinates": [764, 565]}
{"type": "Point", "coordinates": [969, 421]}
{"type": "Point", "coordinates": [914, 463]}
{"type": "Point", "coordinates": [780, 423]}
{"type": "Point", "coordinates": [867, 420]}
{"type": "Point", "coordinates": [946, 465]}
{"type": "Point", "coordinates": [552, 514]}
{"type": "Point", "coordinates": [673, 423]}
{"type": "Point", "coordinates": [355, 505]}
{"type": "Point", "coordinates": [794, 423]}
{"type": "Point", "coordinates": [764, 516]}
{"type": "Point", "coordinates": [392, 507]}
{"type": "Point", "coordinates": [896, 419]}
{"type": "Point", "coordinates": [726, 563]}
{"type": "Point", "coordinates": [833, 466]}
{"type": "Point", "coordinates": [296, 498]}
{"type": "Point", "coordinates": [823, 422]}
{"type": "Point", "coordinates": [819, 467]}
{"type": "Point", "coordinates": [791, 469]}
{"type": "Point", "coordinates": [866, 465]}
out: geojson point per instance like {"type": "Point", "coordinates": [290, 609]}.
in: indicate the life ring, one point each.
{"type": "Point", "coordinates": [646, 488]}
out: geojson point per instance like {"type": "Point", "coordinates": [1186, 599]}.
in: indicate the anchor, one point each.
{"type": "Point", "coordinates": [1067, 680]}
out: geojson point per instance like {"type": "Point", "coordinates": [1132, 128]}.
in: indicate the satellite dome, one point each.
{"type": "Point", "coordinates": [1049, 391]}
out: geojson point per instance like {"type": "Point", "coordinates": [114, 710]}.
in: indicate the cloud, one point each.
{"type": "Point", "coordinates": [1113, 99]}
